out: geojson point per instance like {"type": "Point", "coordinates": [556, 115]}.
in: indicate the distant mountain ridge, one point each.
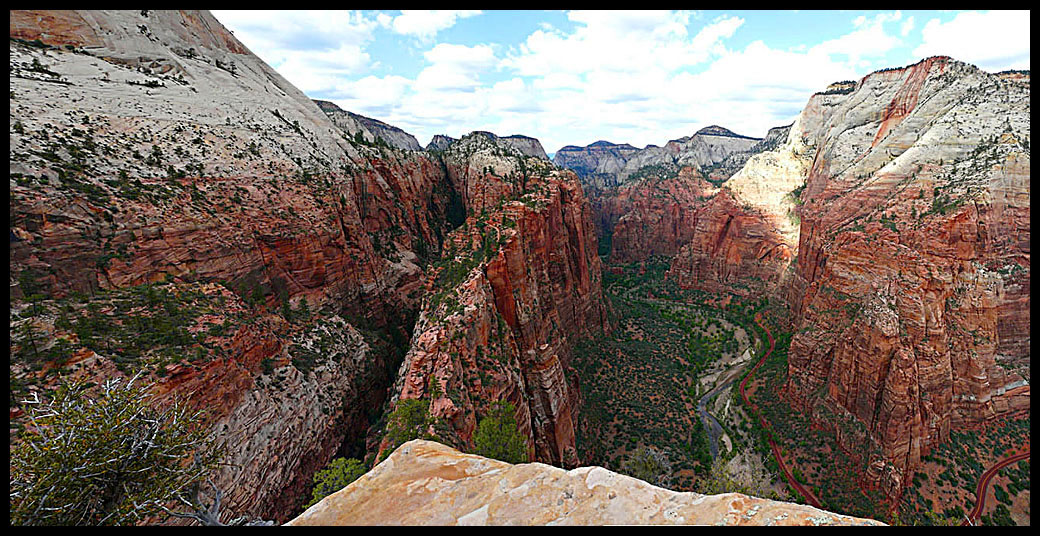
{"type": "Point", "coordinates": [371, 129]}
{"type": "Point", "coordinates": [525, 144]}
{"type": "Point", "coordinates": [604, 164]}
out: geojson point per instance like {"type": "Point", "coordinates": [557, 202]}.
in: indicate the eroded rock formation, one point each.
{"type": "Point", "coordinates": [426, 483]}
{"type": "Point", "coordinates": [910, 294]}
{"type": "Point", "coordinates": [518, 283]}
{"type": "Point", "coordinates": [152, 145]}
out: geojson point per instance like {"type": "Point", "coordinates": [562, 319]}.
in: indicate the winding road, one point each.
{"type": "Point", "coordinates": [980, 492]}
{"type": "Point", "coordinates": [809, 496]}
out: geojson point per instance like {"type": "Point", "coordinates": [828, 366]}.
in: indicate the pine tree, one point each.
{"type": "Point", "coordinates": [498, 435]}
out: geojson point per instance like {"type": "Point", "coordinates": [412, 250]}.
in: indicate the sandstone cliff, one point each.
{"type": "Point", "coordinates": [910, 295]}
{"type": "Point", "coordinates": [440, 143]}
{"type": "Point", "coordinates": [518, 282]}
{"type": "Point", "coordinates": [426, 483]}
{"type": "Point", "coordinates": [152, 145]}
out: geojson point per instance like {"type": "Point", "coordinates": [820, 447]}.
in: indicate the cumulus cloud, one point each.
{"type": "Point", "coordinates": [315, 50]}
{"type": "Point", "coordinates": [870, 39]}
{"type": "Point", "coordinates": [632, 42]}
{"type": "Point", "coordinates": [993, 40]}
{"type": "Point", "coordinates": [425, 23]}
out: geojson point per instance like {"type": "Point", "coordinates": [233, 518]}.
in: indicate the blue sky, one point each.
{"type": "Point", "coordinates": [575, 77]}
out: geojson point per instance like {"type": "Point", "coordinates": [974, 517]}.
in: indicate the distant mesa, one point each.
{"type": "Point", "coordinates": [371, 129]}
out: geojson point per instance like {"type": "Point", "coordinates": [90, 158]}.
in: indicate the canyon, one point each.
{"type": "Point", "coordinates": [326, 269]}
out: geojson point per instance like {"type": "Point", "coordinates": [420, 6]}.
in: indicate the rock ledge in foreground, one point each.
{"type": "Point", "coordinates": [426, 483]}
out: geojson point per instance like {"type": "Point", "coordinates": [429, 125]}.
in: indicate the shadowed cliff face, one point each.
{"type": "Point", "coordinates": [465, 489]}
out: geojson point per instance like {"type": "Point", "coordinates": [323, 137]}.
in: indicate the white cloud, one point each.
{"type": "Point", "coordinates": [907, 26]}
{"type": "Point", "coordinates": [465, 57]}
{"type": "Point", "coordinates": [629, 42]}
{"type": "Point", "coordinates": [425, 23]}
{"type": "Point", "coordinates": [868, 40]}
{"type": "Point", "coordinates": [315, 50]}
{"type": "Point", "coordinates": [994, 40]}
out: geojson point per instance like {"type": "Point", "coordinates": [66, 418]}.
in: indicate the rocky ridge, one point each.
{"type": "Point", "coordinates": [519, 281]}
{"type": "Point", "coordinates": [425, 483]}
{"type": "Point", "coordinates": [372, 130]}
{"type": "Point", "coordinates": [607, 165]}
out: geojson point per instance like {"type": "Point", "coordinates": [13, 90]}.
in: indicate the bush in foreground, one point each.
{"type": "Point", "coordinates": [110, 459]}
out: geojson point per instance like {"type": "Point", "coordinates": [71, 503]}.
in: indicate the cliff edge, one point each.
{"type": "Point", "coordinates": [426, 483]}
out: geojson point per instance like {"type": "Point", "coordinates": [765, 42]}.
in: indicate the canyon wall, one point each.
{"type": "Point", "coordinates": [151, 146]}
{"type": "Point", "coordinates": [910, 295]}
{"type": "Point", "coordinates": [518, 283]}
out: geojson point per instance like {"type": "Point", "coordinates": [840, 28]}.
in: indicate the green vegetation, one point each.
{"type": "Point", "coordinates": [141, 327]}
{"type": "Point", "coordinates": [638, 385]}
{"type": "Point", "coordinates": [649, 465]}
{"type": "Point", "coordinates": [410, 420]}
{"type": "Point", "coordinates": [721, 479]}
{"type": "Point", "coordinates": [335, 476]}
{"type": "Point", "coordinates": [110, 458]}
{"type": "Point", "coordinates": [497, 435]}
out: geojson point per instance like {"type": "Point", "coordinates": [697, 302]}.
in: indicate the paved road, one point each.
{"type": "Point", "coordinates": [809, 497]}
{"type": "Point", "coordinates": [980, 492]}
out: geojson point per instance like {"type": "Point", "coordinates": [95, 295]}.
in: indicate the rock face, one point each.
{"type": "Point", "coordinates": [656, 216]}
{"type": "Point", "coordinates": [738, 238]}
{"type": "Point", "coordinates": [425, 483]}
{"type": "Point", "coordinates": [151, 145]}
{"type": "Point", "coordinates": [525, 145]}
{"type": "Point", "coordinates": [371, 129]}
{"type": "Point", "coordinates": [910, 295]}
{"type": "Point", "coordinates": [440, 143]}
{"type": "Point", "coordinates": [518, 282]}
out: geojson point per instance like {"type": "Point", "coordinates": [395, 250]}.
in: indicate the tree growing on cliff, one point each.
{"type": "Point", "coordinates": [498, 435]}
{"type": "Point", "coordinates": [335, 476]}
{"type": "Point", "coordinates": [409, 420]}
{"type": "Point", "coordinates": [112, 458]}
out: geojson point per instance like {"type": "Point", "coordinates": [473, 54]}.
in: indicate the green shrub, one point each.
{"type": "Point", "coordinates": [498, 436]}
{"type": "Point", "coordinates": [650, 465]}
{"type": "Point", "coordinates": [335, 476]}
{"type": "Point", "coordinates": [109, 459]}
{"type": "Point", "coordinates": [409, 420]}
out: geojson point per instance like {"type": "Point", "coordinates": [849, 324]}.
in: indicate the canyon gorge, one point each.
{"type": "Point", "coordinates": [299, 271]}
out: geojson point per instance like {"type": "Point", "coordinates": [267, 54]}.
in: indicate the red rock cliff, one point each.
{"type": "Point", "coordinates": [153, 145]}
{"type": "Point", "coordinates": [911, 288]}
{"type": "Point", "coordinates": [513, 291]}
